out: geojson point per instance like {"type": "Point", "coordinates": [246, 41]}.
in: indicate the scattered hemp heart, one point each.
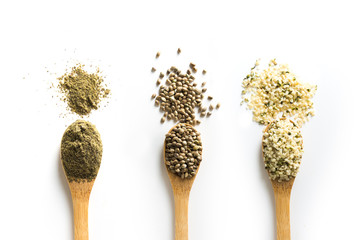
{"type": "Point", "coordinates": [81, 151]}
{"type": "Point", "coordinates": [282, 150]}
{"type": "Point", "coordinates": [82, 91]}
{"type": "Point", "coordinates": [275, 92]}
{"type": "Point", "coordinates": [183, 151]}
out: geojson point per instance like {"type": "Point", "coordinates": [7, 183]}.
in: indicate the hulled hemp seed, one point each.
{"type": "Point", "coordinates": [275, 92]}
{"type": "Point", "coordinates": [282, 149]}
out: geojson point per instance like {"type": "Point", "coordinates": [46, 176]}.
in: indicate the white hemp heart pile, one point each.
{"type": "Point", "coordinates": [276, 92]}
{"type": "Point", "coordinates": [282, 150]}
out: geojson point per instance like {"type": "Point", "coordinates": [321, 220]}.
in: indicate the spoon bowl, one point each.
{"type": "Point", "coordinates": [181, 190]}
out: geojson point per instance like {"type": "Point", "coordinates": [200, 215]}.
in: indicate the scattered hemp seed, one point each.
{"type": "Point", "coordinates": [81, 151]}
{"type": "Point", "coordinates": [217, 106]}
{"type": "Point", "coordinates": [211, 107]}
{"type": "Point", "coordinates": [194, 70]}
{"type": "Point", "coordinates": [162, 120]}
{"type": "Point", "coordinates": [282, 149]}
{"type": "Point", "coordinates": [275, 92]}
{"type": "Point", "coordinates": [204, 90]}
{"type": "Point", "coordinates": [161, 75]}
{"type": "Point", "coordinates": [204, 72]}
{"type": "Point", "coordinates": [208, 114]}
{"type": "Point", "coordinates": [153, 96]}
{"type": "Point", "coordinates": [202, 114]}
{"type": "Point", "coordinates": [203, 84]}
{"type": "Point", "coordinates": [178, 51]}
{"type": "Point", "coordinates": [157, 55]}
{"type": "Point", "coordinates": [82, 91]}
{"type": "Point", "coordinates": [210, 98]}
{"type": "Point", "coordinates": [153, 69]}
{"type": "Point", "coordinates": [158, 82]}
{"type": "Point", "coordinates": [179, 96]}
{"type": "Point", "coordinates": [183, 151]}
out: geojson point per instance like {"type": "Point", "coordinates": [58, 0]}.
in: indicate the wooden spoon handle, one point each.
{"type": "Point", "coordinates": [181, 215]}
{"type": "Point", "coordinates": [282, 202]}
{"type": "Point", "coordinates": [81, 206]}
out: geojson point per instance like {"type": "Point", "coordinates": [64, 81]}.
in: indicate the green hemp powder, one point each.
{"type": "Point", "coordinates": [82, 91]}
{"type": "Point", "coordinates": [81, 151]}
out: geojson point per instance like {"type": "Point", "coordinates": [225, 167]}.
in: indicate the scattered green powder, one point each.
{"type": "Point", "coordinates": [81, 151]}
{"type": "Point", "coordinates": [82, 91]}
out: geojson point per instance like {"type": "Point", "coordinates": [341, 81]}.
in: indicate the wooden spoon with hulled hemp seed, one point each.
{"type": "Point", "coordinates": [182, 156]}
{"type": "Point", "coordinates": [282, 151]}
{"type": "Point", "coordinates": [81, 152]}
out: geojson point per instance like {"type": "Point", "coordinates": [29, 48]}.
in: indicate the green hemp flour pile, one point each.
{"type": "Point", "coordinates": [282, 149]}
{"type": "Point", "coordinates": [82, 91]}
{"type": "Point", "coordinates": [81, 151]}
{"type": "Point", "coordinates": [276, 92]}
{"type": "Point", "coordinates": [183, 150]}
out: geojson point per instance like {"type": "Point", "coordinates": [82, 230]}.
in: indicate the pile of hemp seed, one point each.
{"type": "Point", "coordinates": [183, 150]}
{"type": "Point", "coordinates": [179, 95]}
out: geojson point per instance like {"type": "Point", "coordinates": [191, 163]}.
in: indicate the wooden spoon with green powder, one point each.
{"type": "Point", "coordinates": [182, 157]}
{"type": "Point", "coordinates": [81, 152]}
{"type": "Point", "coordinates": [282, 152]}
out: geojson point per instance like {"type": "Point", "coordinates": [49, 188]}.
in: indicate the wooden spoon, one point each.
{"type": "Point", "coordinates": [282, 192]}
{"type": "Point", "coordinates": [80, 193]}
{"type": "Point", "coordinates": [181, 189]}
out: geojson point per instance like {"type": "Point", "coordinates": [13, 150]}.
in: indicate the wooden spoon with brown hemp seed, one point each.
{"type": "Point", "coordinates": [181, 190]}
{"type": "Point", "coordinates": [282, 192]}
{"type": "Point", "coordinates": [81, 152]}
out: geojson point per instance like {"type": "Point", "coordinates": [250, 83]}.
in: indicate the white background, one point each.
{"type": "Point", "coordinates": [132, 199]}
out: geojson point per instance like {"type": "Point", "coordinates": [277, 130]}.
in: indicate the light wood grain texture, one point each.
{"type": "Point", "coordinates": [282, 192]}
{"type": "Point", "coordinates": [80, 193]}
{"type": "Point", "coordinates": [181, 190]}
